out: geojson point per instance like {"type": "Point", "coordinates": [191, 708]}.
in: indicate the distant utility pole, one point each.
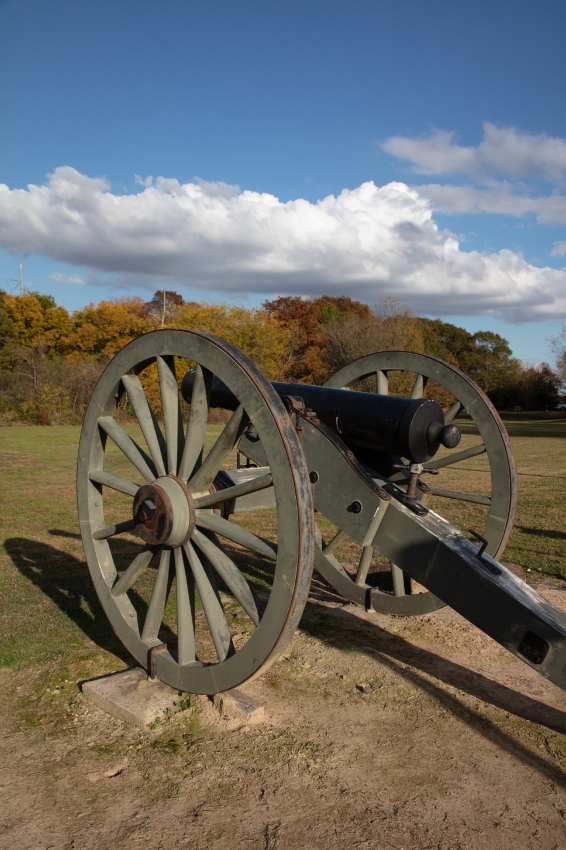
{"type": "Point", "coordinates": [163, 316]}
{"type": "Point", "coordinates": [13, 280]}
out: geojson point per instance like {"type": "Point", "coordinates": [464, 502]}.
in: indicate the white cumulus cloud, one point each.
{"type": "Point", "coordinates": [365, 242]}
{"type": "Point", "coordinates": [500, 198]}
{"type": "Point", "coordinates": [503, 150]}
{"type": "Point", "coordinates": [75, 279]}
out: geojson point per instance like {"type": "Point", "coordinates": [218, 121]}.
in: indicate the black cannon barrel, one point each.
{"type": "Point", "coordinates": [412, 428]}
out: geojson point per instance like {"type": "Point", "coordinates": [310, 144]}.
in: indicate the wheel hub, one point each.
{"type": "Point", "coordinates": [164, 512]}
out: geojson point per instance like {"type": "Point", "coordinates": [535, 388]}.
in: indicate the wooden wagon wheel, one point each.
{"type": "Point", "coordinates": [158, 506]}
{"type": "Point", "coordinates": [498, 506]}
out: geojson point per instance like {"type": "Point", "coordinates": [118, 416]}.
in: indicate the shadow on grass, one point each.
{"type": "Point", "coordinates": [535, 424]}
{"type": "Point", "coordinates": [420, 667]}
{"type": "Point", "coordinates": [58, 532]}
{"type": "Point", "coordinates": [543, 532]}
{"type": "Point", "coordinates": [66, 580]}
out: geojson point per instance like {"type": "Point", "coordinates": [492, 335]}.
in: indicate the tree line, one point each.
{"type": "Point", "coordinates": [50, 359]}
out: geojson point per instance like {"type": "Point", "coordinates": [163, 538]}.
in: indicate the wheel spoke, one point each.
{"type": "Point", "coordinates": [365, 563]}
{"type": "Point", "coordinates": [228, 572]}
{"type": "Point", "coordinates": [158, 601]}
{"type": "Point", "coordinates": [213, 522]}
{"type": "Point", "coordinates": [336, 564]}
{"type": "Point", "coordinates": [243, 489]}
{"type": "Point", "coordinates": [491, 449]}
{"type": "Point", "coordinates": [147, 421]}
{"type": "Point", "coordinates": [185, 609]}
{"type": "Point", "coordinates": [456, 458]}
{"type": "Point", "coordinates": [204, 578]}
{"type": "Point", "coordinates": [398, 578]}
{"type": "Point", "coordinates": [114, 482]}
{"type": "Point", "coordinates": [336, 541]}
{"type": "Point", "coordinates": [111, 530]}
{"type": "Point", "coordinates": [196, 426]}
{"type": "Point", "coordinates": [382, 383]}
{"type": "Point", "coordinates": [461, 497]}
{"type": "Point", "coordinates": [452, 412]}
{"type": "Point", "coordinates": [137, 566]}
{"type": "Point", "coordinates": [171, 410]}
{"type": "Point", "coordinates": [419, 386]}
{"type": "Point", "coordinates": [206, 474]}
{"type": "Point", "coordinates": [135, 455]}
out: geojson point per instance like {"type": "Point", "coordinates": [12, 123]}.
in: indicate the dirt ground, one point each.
{"type": "Point", "coordinates": [381, 733]}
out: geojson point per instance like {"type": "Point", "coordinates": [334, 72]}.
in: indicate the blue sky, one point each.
{"type": "Point", "coordinates": [436, 133]}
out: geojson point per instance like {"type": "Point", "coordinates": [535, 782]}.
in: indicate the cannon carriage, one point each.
{"type": "Point", "coordinates": [203, 566]}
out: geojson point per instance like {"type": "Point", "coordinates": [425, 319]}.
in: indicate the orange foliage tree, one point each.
{"type": "Point", "coordinates": [103, 329]}
{"type": "Point", "coordinates": [306, 321]}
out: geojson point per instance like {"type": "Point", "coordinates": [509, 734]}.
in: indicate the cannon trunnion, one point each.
{"type": "Point", "coordinates": [225, 555]}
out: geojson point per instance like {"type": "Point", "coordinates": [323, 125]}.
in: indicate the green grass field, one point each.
{"type": "Point", "coordinates": [49, 613]}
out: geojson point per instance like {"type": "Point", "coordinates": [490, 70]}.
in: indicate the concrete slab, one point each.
{"type": "Point", "coordinates": [132, 697]}
{"type": "Point", "coordinates": [236, 706]}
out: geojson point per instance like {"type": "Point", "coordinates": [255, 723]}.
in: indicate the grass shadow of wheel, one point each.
{"type": "Point", "coordinates": [259, 571]}
{"type": "Point", "coordinates": [67, 582]}
{"type": "Point", "coordinates": [543, 532]}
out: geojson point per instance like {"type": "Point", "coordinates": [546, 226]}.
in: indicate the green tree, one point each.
{"type": "Point", "coordinates": [446, 341]}
{"type": "Point", "coordinates": [490, 361]}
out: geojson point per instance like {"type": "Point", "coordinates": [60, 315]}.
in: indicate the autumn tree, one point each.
{"type": "Point", "coordinates": [255, 332]}
{"type": "Point", "coordinates": [7, 329]}
{"type": "Point", "coordinates": [27, 317]}
{"type": "Point", "coordinates": [392, 327]}
{"type": "Point", "coordinates": [101, 330]}
{"type": "Point", "coordinates": [558, 348]}
{"type": "Point", "coordinates": [36, 318]}
{"type": "Point", "coordinates": [307, 321]}
{"type": "Point", "coordinates": [163, 306]}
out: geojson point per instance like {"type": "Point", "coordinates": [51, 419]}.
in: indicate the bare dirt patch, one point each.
{"type": "Point", "coordinates": [381, 733]}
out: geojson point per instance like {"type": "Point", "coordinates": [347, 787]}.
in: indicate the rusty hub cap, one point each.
{"type": "Point", "coordinates": [164, 512]}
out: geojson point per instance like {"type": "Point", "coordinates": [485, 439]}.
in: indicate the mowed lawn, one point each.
{"type": "Point", "coordinates": [49, 613]}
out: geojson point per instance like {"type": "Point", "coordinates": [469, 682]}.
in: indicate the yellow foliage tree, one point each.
{"type": "Point", "coordinates": [253, 331]}
{"type": "Point", "coordinates": [27, 317]}
{"type": "Point", "coordinates": [103, 329]}
{"type": "Point", "coordinates": [57, 326]}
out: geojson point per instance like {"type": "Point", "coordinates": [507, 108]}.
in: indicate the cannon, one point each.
{"type": "Point", "coordinates": [209, 582]}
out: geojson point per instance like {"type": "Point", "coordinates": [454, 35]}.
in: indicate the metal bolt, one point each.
{"type": "Point", "coordinates": [313, 476]}
{"type": "Point", "coordinates": [146, 510]}
{"type": "Point", "coordinates": [356, 507]}
{"type": "Point", "coordinates": [415, 470]}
